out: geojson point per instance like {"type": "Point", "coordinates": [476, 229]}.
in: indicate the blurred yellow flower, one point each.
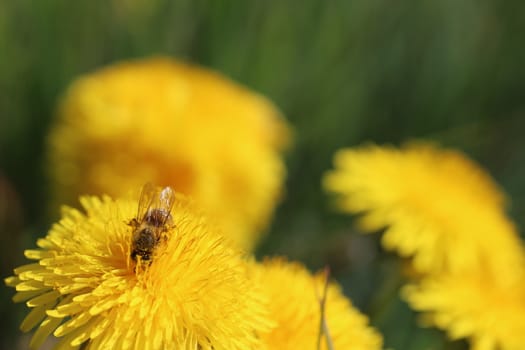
{"type": "Point", "coordinates": [293, 294]}
{"type": "Point", "coordinates": [87, 289]}
{"type": "Point", "coordinates": [437, 206]}
{"type": "Point", "coordinates": [162, 121]}
{"type": "Point", "coordinates": [490, 314]}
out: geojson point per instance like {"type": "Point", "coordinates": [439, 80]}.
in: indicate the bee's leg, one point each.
{"type": "Point", "coordinates": [165, 235]}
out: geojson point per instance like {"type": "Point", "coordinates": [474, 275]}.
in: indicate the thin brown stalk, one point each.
{"type": "Point", "coordinates": [323, 326]}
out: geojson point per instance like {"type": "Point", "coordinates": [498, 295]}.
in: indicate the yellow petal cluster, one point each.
{"type": "Point", "coordinates": [443, 211]}
{"type": "Point", "coordinates": [473, 306]}
{"type": "Point", "coordinates": [293, 295]}
{"type": "Point", "coordinates": [437, 206]}
{"type": "Point", "coordinates": [84, 288]}
{"type": "Point", "coordinates": [162, 121]}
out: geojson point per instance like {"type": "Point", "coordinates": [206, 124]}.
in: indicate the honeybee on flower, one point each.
{"type": "Point", "coordinates": [84, 288]}
{"type": "Point", "coordinates": [152, 222]}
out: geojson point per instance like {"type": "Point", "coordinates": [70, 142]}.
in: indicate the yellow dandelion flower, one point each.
{"type": "Point", "coordinates": [295, 307]}
{"type": "Point", "coordinates": [88, 288]}
{"type": "Point", "coordinates": [473, 306]}
{"type": "Point", "coordinates": [162, 121]}
{"type": "Point", "coordinates": [437, 206]}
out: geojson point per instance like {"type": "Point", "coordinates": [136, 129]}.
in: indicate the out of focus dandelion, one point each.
{"type": "Point", "coordinates": [474, 306]}
{"type": "Point", "coordinates": [86, 287]}
{"type": "Point", "coordinates": [171, 123]}
{"type": "Point", "coordinates": [446, 213]}
{"type": "Point", "coordinates": [295, 307]}
{"type": "Point", "coordinates": [436, 205]}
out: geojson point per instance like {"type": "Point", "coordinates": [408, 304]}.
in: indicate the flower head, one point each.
{"type": "Point", "coordinates": [473, 306]}
{"type": "Point", "coordinates": [162, 121]}
{"type": "Point", "coordinates": [86, 287]}
{"type": "Point", "coordinates": [293, 295]}
{"type": "Point", "coordinates": [438, 207]}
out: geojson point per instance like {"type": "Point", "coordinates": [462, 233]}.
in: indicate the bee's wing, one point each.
{"type": "Point", "coordinates": [165, 200]}
{"type": "Point", "coordinates": [148, 196]}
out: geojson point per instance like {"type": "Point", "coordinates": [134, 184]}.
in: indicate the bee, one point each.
{"type": "Point", "coordinates": [153, 220]}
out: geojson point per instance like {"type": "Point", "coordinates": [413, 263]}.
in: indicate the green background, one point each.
{"type": "Point", "coordinates": [343, 72]}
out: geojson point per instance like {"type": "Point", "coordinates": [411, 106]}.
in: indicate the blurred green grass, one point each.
{"type": "Point", "coordinates": [343, 72]}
